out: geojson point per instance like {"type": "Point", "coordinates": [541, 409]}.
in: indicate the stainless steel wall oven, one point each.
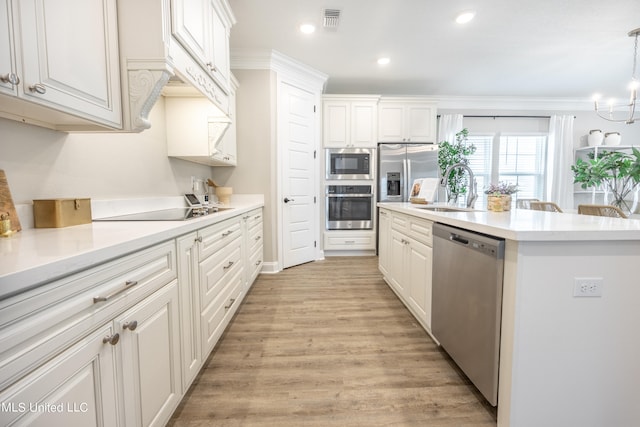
{"type": "Point", "coordinates": [349, 207]}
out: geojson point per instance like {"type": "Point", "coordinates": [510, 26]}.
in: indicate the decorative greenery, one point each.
{"type": "Point", "coordinates": [616, 171]}
{"type": "Point", "coordinates": [501, 188]}
{"type": "Point", "coordinates": [451, 153]}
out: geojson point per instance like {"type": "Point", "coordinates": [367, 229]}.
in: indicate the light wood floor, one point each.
{"type": "Point", "coordinates": [329, 344]}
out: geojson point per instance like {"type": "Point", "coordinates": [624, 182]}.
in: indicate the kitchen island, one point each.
{"type": "Point", "coordinates": [564, 360]}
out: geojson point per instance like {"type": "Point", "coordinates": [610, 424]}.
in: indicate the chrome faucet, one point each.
{"type": "Point", "coordinates": [473, 185]}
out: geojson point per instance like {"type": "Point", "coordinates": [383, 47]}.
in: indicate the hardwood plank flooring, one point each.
{"type": "Point", "coordinates": [329, 344]}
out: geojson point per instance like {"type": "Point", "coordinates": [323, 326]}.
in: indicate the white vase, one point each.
{"type": "Point", "coordinates": [595, 137]}
{"type": "Point", "coordinates": [612, 138]}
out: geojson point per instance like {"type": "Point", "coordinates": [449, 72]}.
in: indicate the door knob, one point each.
{"type": "Point", "coordinates": [287, 200]}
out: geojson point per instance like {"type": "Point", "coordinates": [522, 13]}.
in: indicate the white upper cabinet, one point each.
{"type": "Point", "coordinates": [8, 77]}
{"type": "Point", "coordinates": [62, 55]}
{"type": "Point", "coordinates": [203, 30]}
{"type": "Point", "coordinates": [350, 121]}
{"type": "Point", "coordinates": [406, 120]}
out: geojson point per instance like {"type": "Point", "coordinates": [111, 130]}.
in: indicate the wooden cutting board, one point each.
{"type": "Point", "coordinates": [6, 203]}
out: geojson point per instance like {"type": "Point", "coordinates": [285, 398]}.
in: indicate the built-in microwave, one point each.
{"type": "Point", "coordinates": [349, 163]}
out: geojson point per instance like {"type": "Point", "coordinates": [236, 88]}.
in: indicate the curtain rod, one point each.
{"type": "Point", "coordinates": [506, 117]}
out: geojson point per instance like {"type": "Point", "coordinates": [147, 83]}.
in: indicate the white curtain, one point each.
{"type": "Point", "coordinates": [559, 161]}
{"type": "Point", "coordinates": [449, 125]}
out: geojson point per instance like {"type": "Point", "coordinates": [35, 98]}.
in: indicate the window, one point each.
{"type": "Point", "coordinates": [510, 157]}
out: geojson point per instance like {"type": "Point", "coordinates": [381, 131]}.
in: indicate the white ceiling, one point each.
{"type": "Point", "coordinates": [526, 48]}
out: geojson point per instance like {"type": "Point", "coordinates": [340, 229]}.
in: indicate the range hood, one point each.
{"type": "Point", "coordinates": [153, 64]}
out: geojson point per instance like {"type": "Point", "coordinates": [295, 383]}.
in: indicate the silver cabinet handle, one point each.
{"type": "Point", "coordinates": [211, 67]}
{"type": "Point", "coordinates": [258, 238]}
{"type": "Point", "coordinates": [38, 88]}
{"type": "Point", "coordinates": [226, 233]}
{"type": "Point", "coordinates": [257, 217]}
{"type": "Point", "coordinates": [226, 267]}
{"type": "Point", "coordinates": [231, 301]}
{"type": "Point", "coordinates": [11, 78]}
{"type": "Point", "coordinates": [130, 325]}
{"type": "Point", "coordinates": [111, 339]}
{"type": "Point", "coordinates": [198, 239]}
{"type": "Point", "coordinates": [128, 284]}
{"type": "Point", "coordinates": [259, 262]}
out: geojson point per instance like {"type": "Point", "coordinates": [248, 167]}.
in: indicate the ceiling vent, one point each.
{"type": "Point", "coordinates": [331, 18]}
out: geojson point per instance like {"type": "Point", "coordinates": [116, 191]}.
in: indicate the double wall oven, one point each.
{"type": "Point", "coordinates": [349, 196]}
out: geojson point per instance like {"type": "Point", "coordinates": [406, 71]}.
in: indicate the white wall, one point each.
{"type": "Point", "coordinates": [41, 163]}
{"type": "Point", "coordinates": [256, 145]}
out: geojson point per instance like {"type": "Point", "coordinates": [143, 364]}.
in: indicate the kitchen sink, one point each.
{"type": "Point", "coordinates": [446, 209]}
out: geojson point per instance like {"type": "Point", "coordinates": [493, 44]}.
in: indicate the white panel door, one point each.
{"type": "Point", "coordinates": [298, 175]}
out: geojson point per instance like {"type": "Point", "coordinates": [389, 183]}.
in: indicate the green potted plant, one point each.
{"type": "Point", "coordinates": [451, 153]}
{"type": "Point", "coordinates": [616, 172]}
{"type": "Point", "coordinates": [499, 196]}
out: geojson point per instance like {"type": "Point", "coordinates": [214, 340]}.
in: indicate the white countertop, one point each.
{"type": "Point", "coordinates": [34, 256]}
{"type": "Point", "coordinates": [530, 225]}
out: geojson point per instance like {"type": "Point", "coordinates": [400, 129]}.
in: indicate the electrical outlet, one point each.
{"type": "Point", "coordinates": [587, 287]}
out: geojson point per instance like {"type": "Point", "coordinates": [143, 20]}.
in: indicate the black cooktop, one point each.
{"type": "Point", "coordinates": [173, 214]}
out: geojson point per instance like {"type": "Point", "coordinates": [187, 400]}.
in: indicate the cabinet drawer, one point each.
{"type": "Point", "coordinates": [254, 219]}
{"type": "Point", "coordinates": [421, 230]}
{"type": "Point", "coordinates": [39, 323]}
{"type": "Point", "coordinates": [217, 236]}
{"type": "Point", "coordinates": [214, 316]}
{"type": "Point", "coordinates": [216, 270]}
{"type": "Point", "coordinates": [346, 242]}
{"type": "Point", "coordinates": [400, 222]}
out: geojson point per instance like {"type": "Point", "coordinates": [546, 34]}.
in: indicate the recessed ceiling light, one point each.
{"type": "Point", "coordinates": [307, 28]}
{"type": "Point", "coordinates": [465, 17]}
{"type": "Point", "coordinates": [383, 61]}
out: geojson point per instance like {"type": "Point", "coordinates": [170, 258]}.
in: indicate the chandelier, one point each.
{"type": "Point", "coordinates": [612, 111]}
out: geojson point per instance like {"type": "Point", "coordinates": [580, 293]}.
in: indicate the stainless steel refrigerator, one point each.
{"type": "Point", "coordinates": [400, 164]}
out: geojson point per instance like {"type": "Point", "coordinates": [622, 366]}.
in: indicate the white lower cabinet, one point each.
{"type": "Point", "coordinates": [150, 353]}
{"type": "Point", "coordinates": [221, 279]}
{"type": "Point", "coordinates": [254, 237]}
{"type": "Point", "coordinates": [406, 259]}
{"type": "Point", "coordinates": [189, 308]}
{"type": "Point", "coordinates": [120, 343]}
{"type": "Point", "coordinates": [76, 388]}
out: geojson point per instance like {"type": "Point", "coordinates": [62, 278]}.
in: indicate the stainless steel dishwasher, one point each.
{"type": "Point", "coordinates": [467, 302]}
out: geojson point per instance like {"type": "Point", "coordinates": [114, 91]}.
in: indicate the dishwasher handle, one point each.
{"type": "Point", "coordinates": [458, 238]}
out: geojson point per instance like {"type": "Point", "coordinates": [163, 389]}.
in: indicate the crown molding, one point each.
{"type": "Point", "coordinates": [268, 59]}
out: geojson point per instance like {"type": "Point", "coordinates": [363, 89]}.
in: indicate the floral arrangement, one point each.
{"type": "Point", "coordinates": [501, 188]}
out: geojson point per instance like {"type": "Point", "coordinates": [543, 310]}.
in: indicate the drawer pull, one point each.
{"type": "Point", "coordinates": [231, 301]}
{"type": "Point", "coordinates": [258, 238]}
{"type": "Point", "coordinates": [257, 217]}
{"type": "Point", "coordinates": [128, 284]}
{"type": "Point", "coordinates": [226, 233]}
{"type": "Point", "coordinates": [350, 242]}
{"type": "Point", "coordinates": [228, 265]}
{"type": "Point", "coordinates": [111, 339]}
{"type": "Point", "coordinates": [259, 262]}
{"type": "Point", "coordinates": [198, 239]}
{"type": "Point", "coordinates": [130, 325]}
